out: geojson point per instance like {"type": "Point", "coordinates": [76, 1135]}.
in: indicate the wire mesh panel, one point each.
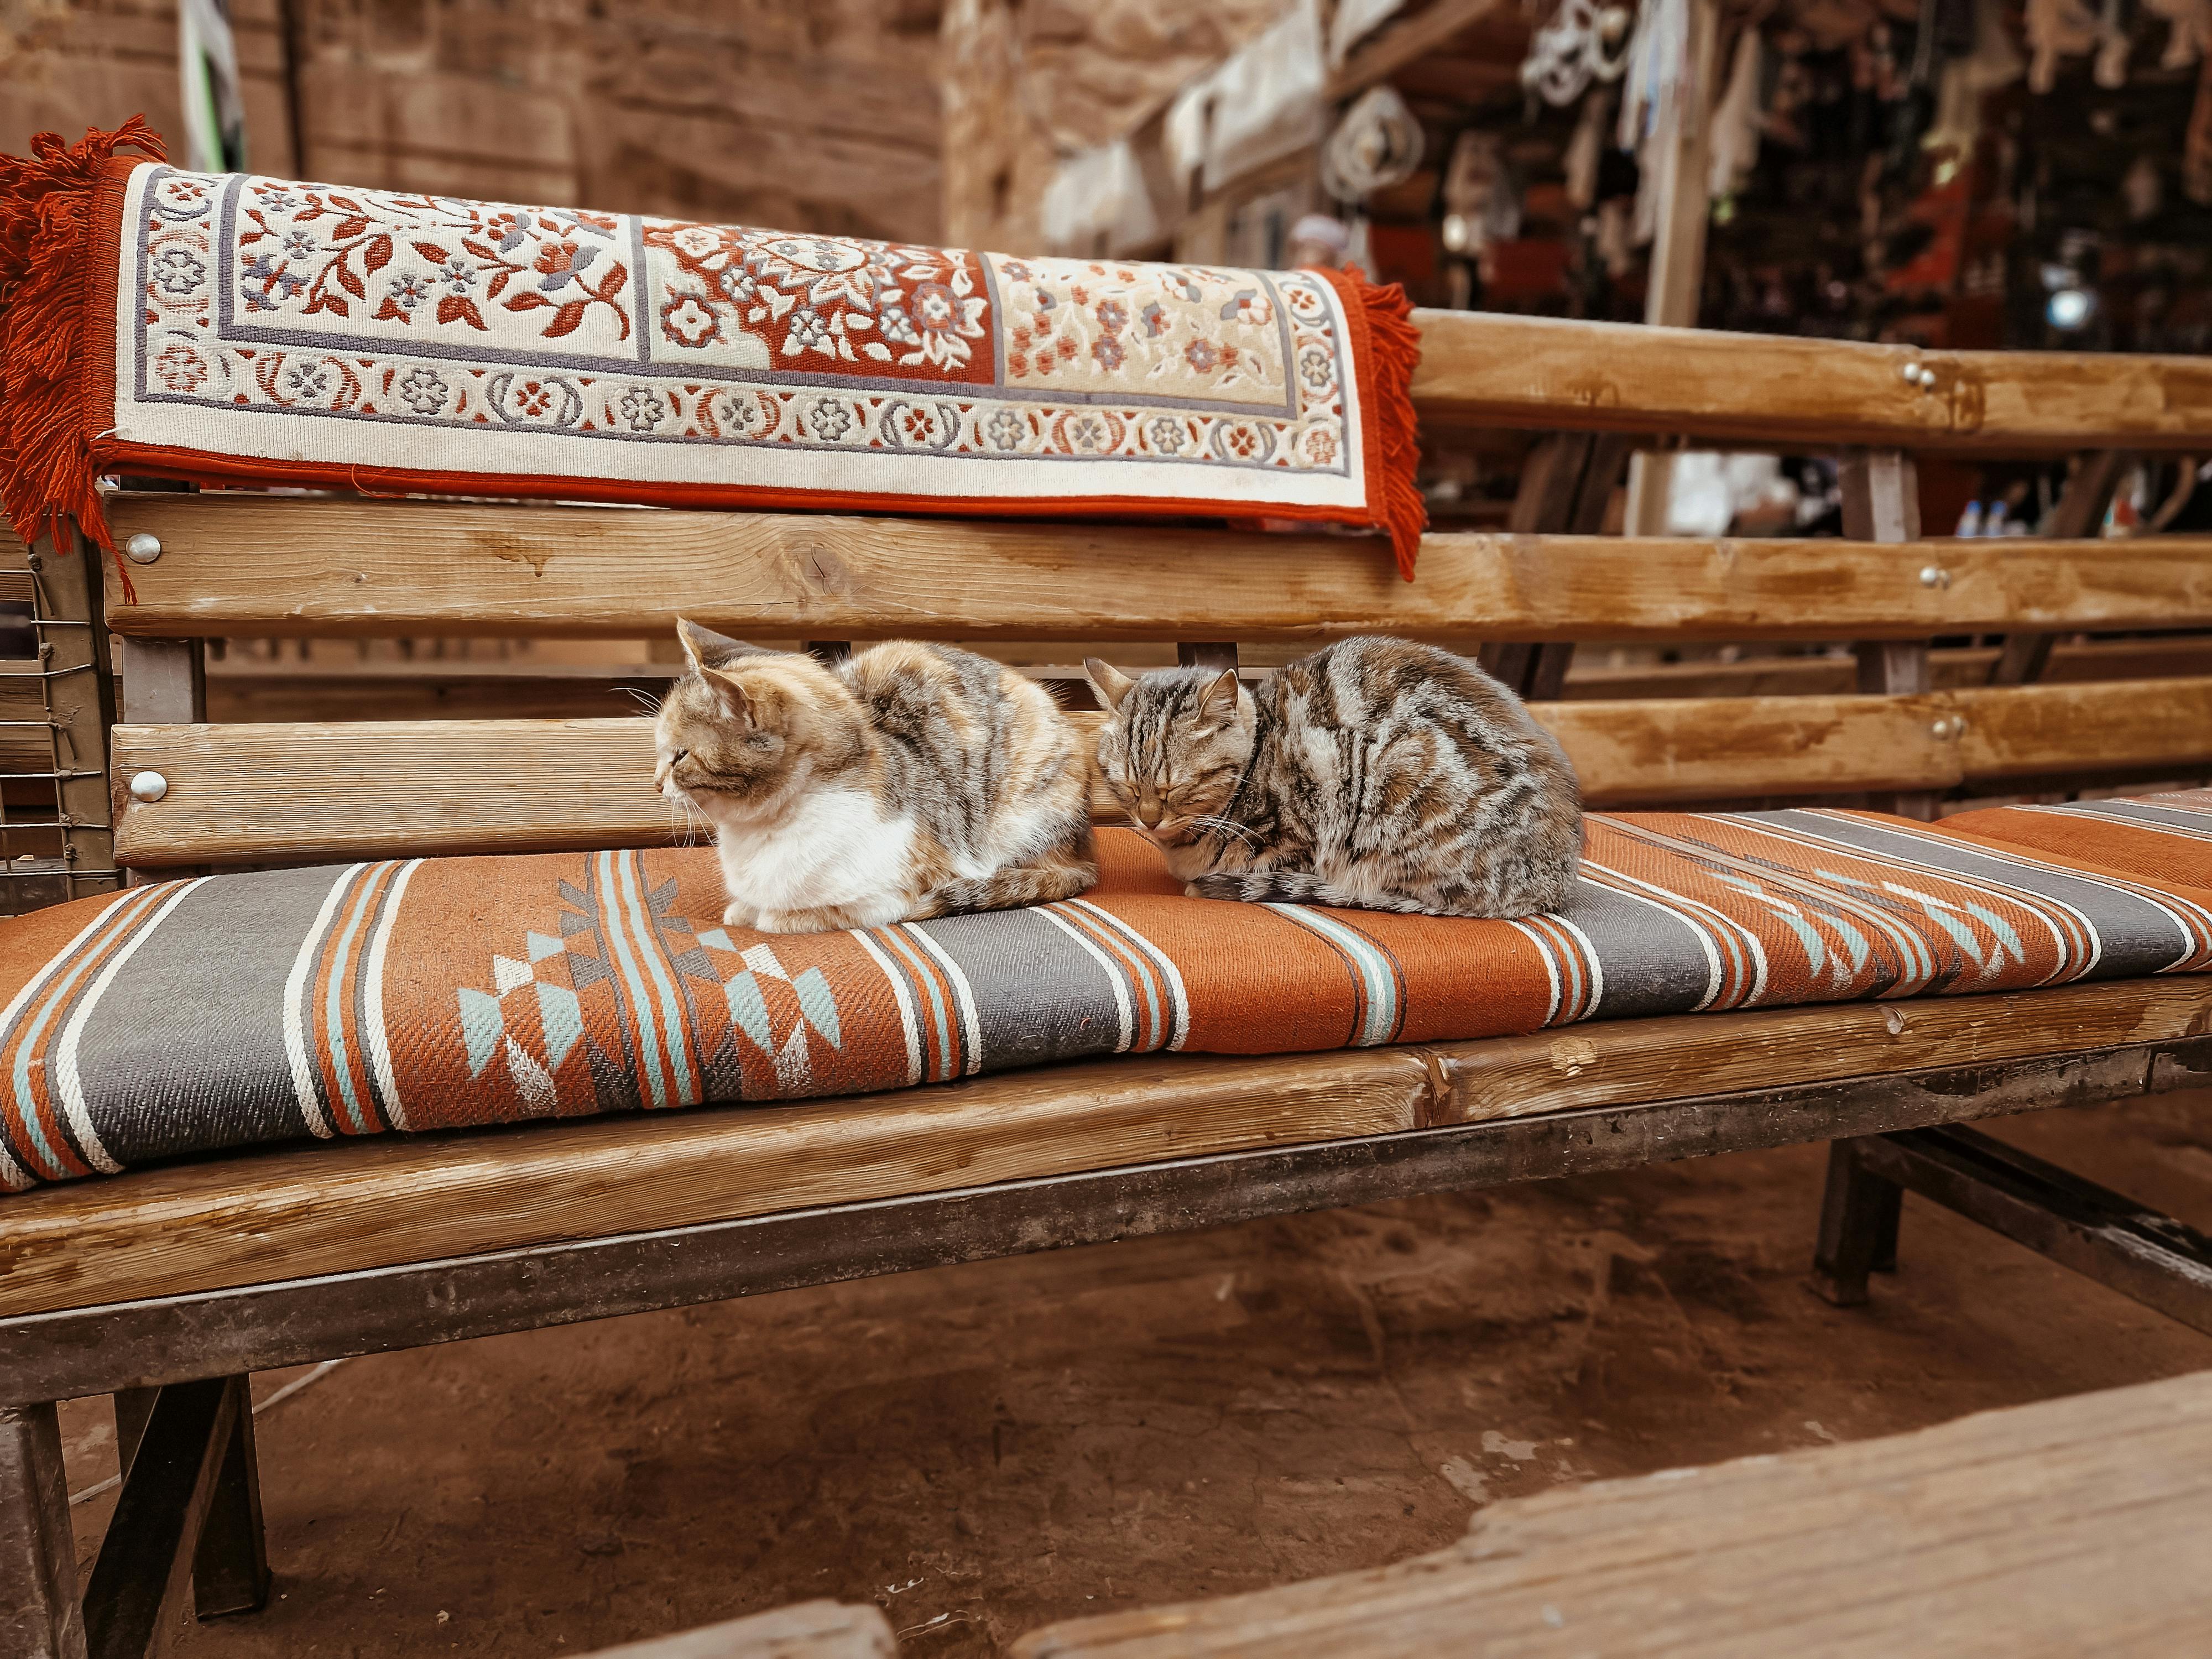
{"type": "Point", "coordinates": [57, 704]}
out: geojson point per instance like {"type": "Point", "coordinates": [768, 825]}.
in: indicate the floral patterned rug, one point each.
{"type": "Point", "coordinates": [245, 329]}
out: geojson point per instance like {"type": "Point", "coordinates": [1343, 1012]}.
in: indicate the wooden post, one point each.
{"type": "Point", "coordinates": [1881, 503]}
{"type": "Point", "coordinates": [1677, 273]}
{"type": "Point", "coordinates": [1566, 485]}
{"type": "Point", "coordinates": [2081, 512]}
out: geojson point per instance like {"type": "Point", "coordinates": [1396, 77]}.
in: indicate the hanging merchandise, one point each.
{"type": "Point", "coordinates": [1995, 62]}
{"type": "Point", "coordinates": [1583, 42]}
{"type": "Point", "coordinates": [2112, 70]}
{"type": "Point", "coordinates": [1481, 207]}
{"type": "Point", "coordinates": [215, 116]}
{"type": "Point", "coordinates": [1375, 145]}
{"type": "Point", "coordinates": [2196, 147]}
{"type": "Point", "coordinates": [2067, 29]}
{"type": "Point", "coordinates": [1354, 21]}
{"type": "Point", "coordinates": [1097, 203]}
{"type": "Point", "coordinates": [1183, 133]}
{"type": "Point", "coordinates": [2189, 30]}
{"type": "Point", "coordinates": [1657, 94]}
{"type": "Point", "coordinates": [1738, 121]}
{"type": "Point", "coordinates": [1586, 150]}
{"type": "Point", "coordinates": [1268, 97]}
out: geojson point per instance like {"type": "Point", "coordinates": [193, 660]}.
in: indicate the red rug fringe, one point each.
{"type": "Point", "coordinates": [46, 202]}
{"type": "Point", "coordinates": [1395, 348]}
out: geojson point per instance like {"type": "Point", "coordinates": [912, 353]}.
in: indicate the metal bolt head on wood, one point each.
{"type": "Point", "coordinates": [149, 787]}
{"type": "Point", "coordinates": [1934, 576]}
{"type": "Point", "coordinates": [142, 548]}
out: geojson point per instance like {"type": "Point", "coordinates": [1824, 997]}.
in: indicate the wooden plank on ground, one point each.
{"type": "Point", "coordinates": [2070, 1526]}
{"type": "Point", "coordinates": [256, 566]}
{"type": "Point", "coordinates": [378, 1201]}
{"type": "Point", "coordinates": [289, 791]}
{"type": "Point", "coordinates": [1762, 391]}
{"type": "Point", "coordinates": [811, 1629]}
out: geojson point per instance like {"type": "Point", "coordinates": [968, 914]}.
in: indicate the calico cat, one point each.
{"type": "Point", "coordinates": [1378, 773]}
{"type": "Point", "coordinates": [910, 781]}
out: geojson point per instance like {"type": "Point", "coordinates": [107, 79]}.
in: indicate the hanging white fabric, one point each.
{"type": "Point", "coordinates": [1183, 133]}
{"type": "Point", "coordinates": [207, 64]}
{"type": "Point", "coordinates": [1354, 21]}
{"type": "Point", "coordinates": [1738, 120]}
{"type": "Point", "coordinates": [1097, 203]}
{"type": "Point", "coordinates": [1268, 97]}
{"type": "Point", "coordinates": [2189, 30]}
{"type": "Point", "coordinates": [1995, 62]}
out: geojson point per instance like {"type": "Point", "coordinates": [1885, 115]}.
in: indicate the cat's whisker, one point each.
{"type": "Point", "coordinates": [1224, 827]}
{"type": "Point", "coordinates": [644, 699]}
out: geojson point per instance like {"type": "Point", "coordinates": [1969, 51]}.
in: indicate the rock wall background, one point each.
{"type": "Point", "coordinates": [802, 114]}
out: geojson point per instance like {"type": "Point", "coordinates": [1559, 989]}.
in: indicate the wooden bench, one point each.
{"type": "Point", "coordinates": [169, 1284]}
{"type": "Point", "coordinates": [2071, 1527]}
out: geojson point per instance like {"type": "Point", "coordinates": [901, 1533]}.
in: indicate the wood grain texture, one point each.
{"type": "Point", "coordinates": [810, 1630]}
{"type": "Point", "coordinates": [256, 1217]}
{"type": "Point", "coordinates": [1674, 1057]}
{"type": "Point", "coordinates": [2022, 730]}
{"type": "Point", "coordinates": [2040, 1532]}
{"type": "Point", "coordinates": [377, 788]}
{"type": "Point", "coordinates": [1768, 390]}
{"type": "Point", "coordinates": [248, 566]}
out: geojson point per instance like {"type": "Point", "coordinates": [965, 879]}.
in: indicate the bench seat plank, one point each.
{"type": "Point", "coordinates": [2068, 1527]}
{"type": "Point", "coordinates": [381, 1200]}
{"type": "Point", "coordinates": [243, 566]}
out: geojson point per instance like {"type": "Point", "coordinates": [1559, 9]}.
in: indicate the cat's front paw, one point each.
{"type": "Point", "coordinates": [735, 915]}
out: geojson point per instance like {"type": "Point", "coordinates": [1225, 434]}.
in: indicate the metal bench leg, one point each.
{"type": "Point", "coordinates": [170, 1487]}
{"type": "Point", "coordinates": [230, 1568]}
{"type": "Point", "coordinates": [1859, 1215]}
{"type": "Point", "coordinates": [2096, 1232]}
{"type": "Point", "coordinates": [39, 1617]}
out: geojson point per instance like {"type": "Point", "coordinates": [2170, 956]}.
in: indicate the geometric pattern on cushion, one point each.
{"type": "Point", "coordinates": [428, 993]}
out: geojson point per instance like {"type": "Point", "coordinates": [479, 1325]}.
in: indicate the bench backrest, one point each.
{"type": "Point", "coordinates": [236, 565]}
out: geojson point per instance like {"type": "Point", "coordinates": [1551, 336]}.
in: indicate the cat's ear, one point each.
{"type": "Point", "coordinates": [1218, 704]}
{"type": "Point", "coordinates": [736, 706]}
{"type": "Point", "coordinates": [703, 646]}
{"type": "Point", "coordinates": [1111, 685]}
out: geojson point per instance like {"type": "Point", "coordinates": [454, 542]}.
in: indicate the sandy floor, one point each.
{"type": "Point", "coordinates": [985, 1448]}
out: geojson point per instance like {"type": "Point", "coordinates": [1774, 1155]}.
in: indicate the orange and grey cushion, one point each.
{"type": "Point", "coordinates": [411, 994]}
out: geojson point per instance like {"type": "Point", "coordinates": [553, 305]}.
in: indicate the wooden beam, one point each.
{"type": "Point", "coordinates": [811, 1629]}
{"type": "Point", "coordinates": [377, 788]}
{"type": "Point", "coordinates": [240, 565]}
{"type": "Point", "coordinates": [256, 1218]}
{"type": "Point", "coordinates": [2117, 726]}
{"type": "Point", "coordinates": [1764, 392]}
{"type": "Point", "coordinates": [1405, 41]}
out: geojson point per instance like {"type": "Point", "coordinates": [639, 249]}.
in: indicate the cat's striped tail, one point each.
{"type": "Point", "coordinates": [1298, 887]}
{"type": "Point", "coordinates": [1009, 890]}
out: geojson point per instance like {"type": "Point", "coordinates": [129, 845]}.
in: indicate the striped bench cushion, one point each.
{"type": "Point", "coordinates": [415, 995]}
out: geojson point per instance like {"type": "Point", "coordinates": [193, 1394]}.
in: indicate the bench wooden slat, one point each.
{"type": "Point", "coordinates": [2038, 1531]}
{"type": "Point", "coordinates": [254, 1217]}
{"type": "Point", "coordinates": [246, 566]}
{"type": "Point", "coordinates": [374, 788]}
{"type": "Point", "coordinates": [2027, 730]}
{"type": "Point", "coordinates": [1767, 390]}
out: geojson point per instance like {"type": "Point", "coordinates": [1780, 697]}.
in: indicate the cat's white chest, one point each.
{"type": "Point", "coordinates": [834, 848]}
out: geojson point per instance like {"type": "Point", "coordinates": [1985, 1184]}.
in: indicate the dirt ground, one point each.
{"type": "Point", "coordinates": [985, 1448]}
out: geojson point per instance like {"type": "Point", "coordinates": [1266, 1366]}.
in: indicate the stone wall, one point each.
{"type": "Point", "coordinates": [801, 114]}
{"type": "Point", "coordinates": [1029, 81]}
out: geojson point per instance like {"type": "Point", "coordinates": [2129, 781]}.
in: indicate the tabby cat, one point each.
{"type": "Point", "coordinates": [910, 781]}
{"type": "Point", "coordinates": [1377, 774]}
